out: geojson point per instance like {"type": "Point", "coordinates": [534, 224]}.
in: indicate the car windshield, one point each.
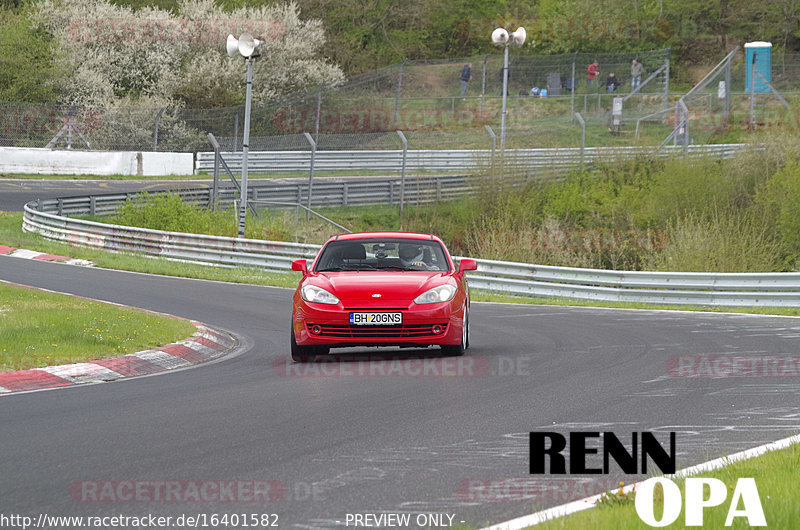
{"type": "Point", "coordinates": [382, 254]}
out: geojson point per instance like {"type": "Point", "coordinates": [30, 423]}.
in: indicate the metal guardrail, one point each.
{"type": "Point", "coordinates": [328, 191]}
{"type": "Point", "coordinates": [712, 289]}
{"type": "Point", "coordinates": [445, 161]}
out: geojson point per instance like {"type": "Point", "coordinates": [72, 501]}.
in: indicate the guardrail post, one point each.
{"type": "Point", "coordinates": [344, 193]}
{"type": "Point", "coordinates": [92, 205]}
{"type": "Point", "coordinates": [60, 206]}
{"type": "Point", "coordinates": [310, 171]}
{"type": "Point", "coordinates": [403, 174]}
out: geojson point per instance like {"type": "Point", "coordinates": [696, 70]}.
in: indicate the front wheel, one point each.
{"type": "Point", "coordinates": [459, 349]}
{"type": "Point", "coordinates": [302, 354]}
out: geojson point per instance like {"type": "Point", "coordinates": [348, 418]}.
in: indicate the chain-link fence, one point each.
{"type": "Point", "coordinates": [721, 103]}
{"type": "Point", "coordinates": [423, 99]}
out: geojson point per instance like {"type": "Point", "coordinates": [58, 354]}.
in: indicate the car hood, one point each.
{"type": "Point", "coordinates": [391, 285]}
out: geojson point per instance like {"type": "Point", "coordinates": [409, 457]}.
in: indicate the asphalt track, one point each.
{"type": "Point", "coordinates": [344, 443]}
{"type": "Point", "coordinates": [354, 437]}
{"type": "Point", "coordinates": [14, 193]}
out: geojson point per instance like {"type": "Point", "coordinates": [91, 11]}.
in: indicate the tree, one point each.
{"type": "Point", "coordinates": [158, 58]}
{"type": "Point", "coordinates": [26, 62]}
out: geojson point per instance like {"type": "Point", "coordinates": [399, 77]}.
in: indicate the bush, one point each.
{"type": "Point", "coordinates": [724, 242]}
{"type": "Point", "coordinates": [168, 212]}
{"type": "Point", "coordinates": [778, 201]}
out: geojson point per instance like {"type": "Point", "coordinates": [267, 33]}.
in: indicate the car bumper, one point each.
{"type": "Point", "coordinates": [321, 325]}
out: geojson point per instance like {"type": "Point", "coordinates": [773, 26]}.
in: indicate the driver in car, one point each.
{"type": "Point", "coordinates": [412, 256]}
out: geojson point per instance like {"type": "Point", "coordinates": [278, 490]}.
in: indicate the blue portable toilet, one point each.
{"type": "Point", "coordinates": [758, 56]}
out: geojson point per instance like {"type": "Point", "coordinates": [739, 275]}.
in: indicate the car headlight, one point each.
{"type": "Point", "coordinates": [443, 293]}
{"type": "Point", "coordinates": [312, 293]}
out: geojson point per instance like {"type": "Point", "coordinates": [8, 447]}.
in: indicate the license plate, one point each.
{"type": "Point", "coordinates": [376, 319]}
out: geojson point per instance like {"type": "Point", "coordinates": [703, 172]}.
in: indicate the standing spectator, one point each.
{"type": "Point", "coordinates": [466, 77]}
{"type": "Point", "coordinates": [612, 82]}
{"type": "Point", "coordinates": [636, 74]}
{"type": "Point", "coordinates": [591, 73]}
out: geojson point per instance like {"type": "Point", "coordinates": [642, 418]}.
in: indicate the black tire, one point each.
{"type": "Point", "coordinates": [459, 349]}
{"type": "Point", "coordinates": [302, 354]}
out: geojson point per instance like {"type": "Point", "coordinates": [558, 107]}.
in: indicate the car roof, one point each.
{"type": "Point", "coordinates": [381, 235]}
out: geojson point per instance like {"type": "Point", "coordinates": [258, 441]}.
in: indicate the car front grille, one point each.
{"type": "Point", "coordinates": [347, 331]}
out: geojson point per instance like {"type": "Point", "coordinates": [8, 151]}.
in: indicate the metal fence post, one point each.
{"type": "Point", "coordinates": [310, 171]}
{"type": "Point", "coordinates": [215, 185]}
{"type": "Point", "coordinates": [319, 110]}
{"type": "Point", "coordinates": [399, 90]}
{"type": "Point", "coordinates": [666, 85]}
{"type": "Point", "coordinates": [493, 136]}
{"type": "Point", "coordinates": [403, 174]}
{"type": "Point", "coordinates": [483, 83]}
{"type": "Point", "coordinates": [727, 93]}
{"type": "Point", "coordinates": [583, 136]}
{"type": "Point", "coordinates": [572, 92]}
{"type": "Point", "coordinates": [236, 131]}
{"type": "Point", "coordinates": [155, 129]}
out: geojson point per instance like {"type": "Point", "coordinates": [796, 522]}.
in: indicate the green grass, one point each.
{"type": "Point", "coordinates": [487, 296]}
{"type": "Point", "coordinates": [11, 234]}
{"type": "Point", "coordinates": [775, 474]}
{"type": "Point", "coordinates": [40, 328]}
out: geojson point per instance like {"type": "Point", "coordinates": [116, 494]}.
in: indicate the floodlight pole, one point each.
{"type": "Point", "coordinates": [245, 147]}
{"type": "Point", "coordinates": [501, 37]}
{"type": "Point", "coordinates": [505, 93]}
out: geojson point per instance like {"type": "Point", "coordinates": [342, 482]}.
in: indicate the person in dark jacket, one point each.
{"type": "Point", "coordinates": [612, 82]}
{"type": "Point", "coordinates": [466, 77]}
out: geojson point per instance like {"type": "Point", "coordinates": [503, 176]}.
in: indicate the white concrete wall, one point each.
{"type": "Point", "coordinates": [51, 162]}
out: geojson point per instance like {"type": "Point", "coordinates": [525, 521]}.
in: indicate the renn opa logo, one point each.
{"type": "Point", "coordinates": [580, 448]}
{"type": "Point", "coordinates": [745, 494]}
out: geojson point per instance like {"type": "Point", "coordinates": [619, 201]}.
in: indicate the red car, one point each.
{"type": "Point", "coordinates": [381, 289]}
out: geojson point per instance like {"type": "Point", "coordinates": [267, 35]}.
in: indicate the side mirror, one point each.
{"type": "Point", "coordinates": [300, 265]}
{"type": "Point", "coordinates": [467, 264]}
